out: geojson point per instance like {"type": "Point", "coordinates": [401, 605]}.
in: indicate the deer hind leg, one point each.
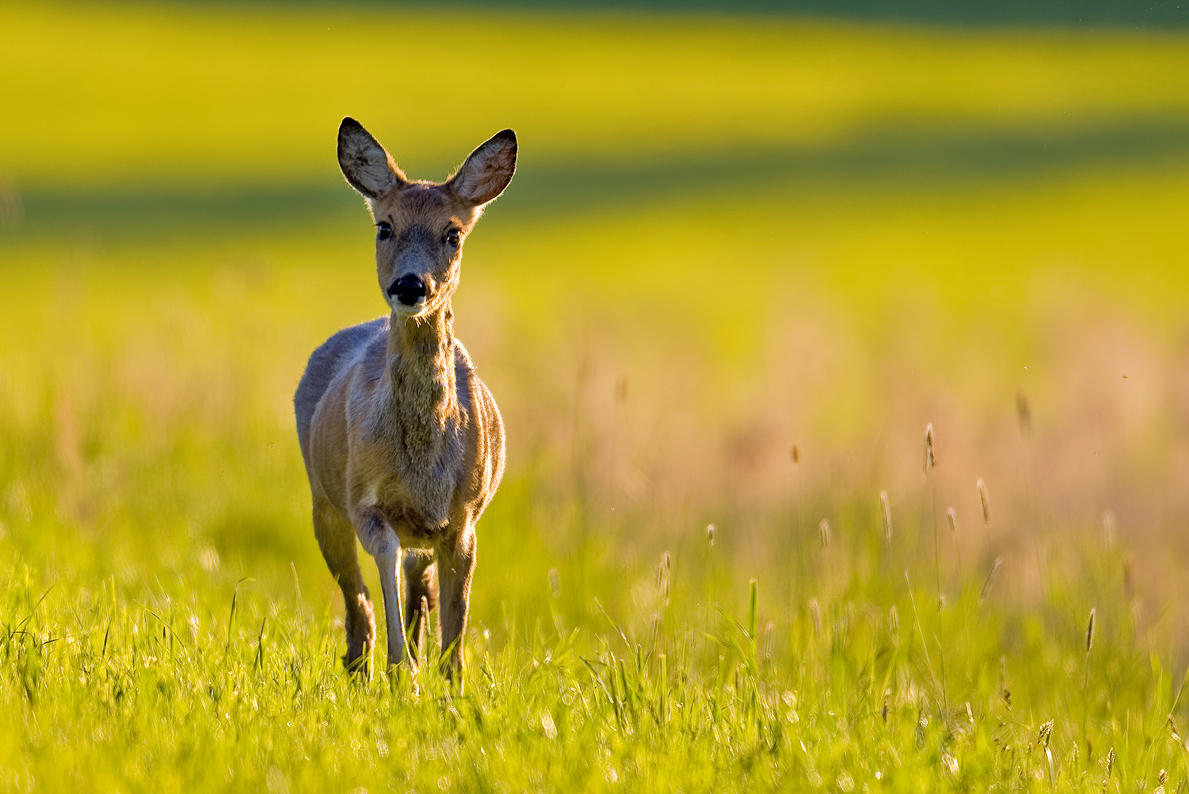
{"type": "Point", "coordinates": [420, 584]}
{"type": "Point", "coordinates": [336, 538]}
{"type": "Point", "coordinates": [456, 566]}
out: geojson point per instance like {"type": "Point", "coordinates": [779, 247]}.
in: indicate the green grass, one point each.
{"type": "Point", "coordinates": [179, 676]}
{"type": "Point", "coordinates": [728, 236]}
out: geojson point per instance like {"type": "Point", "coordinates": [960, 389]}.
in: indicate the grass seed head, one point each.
{"type": "Point", "coordinates": [1090, 631]}
{"type": "Point", "coordinates": [984, 499]}
{"type": "Point", "coordinates": [710, 535]}
{"type": "Point", "coordinates": [823, 533]}
{"type": "Point", "coordinates": [952, 517]}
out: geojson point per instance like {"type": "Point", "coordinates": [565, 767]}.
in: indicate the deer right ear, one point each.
{"type": "Point", "coordinates": [364, 162]}
{"type": "Point", "coordinates": [488, 169]}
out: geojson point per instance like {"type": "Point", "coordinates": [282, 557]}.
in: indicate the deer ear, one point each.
{"type": "Point", "coordinates": [488, 170]}
{"type": "Point", "coordinates": [364, 162]}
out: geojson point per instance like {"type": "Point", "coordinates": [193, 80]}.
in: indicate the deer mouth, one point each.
{"type": "Point", "coordinates": [407, 311]}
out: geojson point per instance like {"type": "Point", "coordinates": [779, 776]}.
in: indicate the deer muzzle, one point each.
{"type": "Point", "coordinates": [409, 290]}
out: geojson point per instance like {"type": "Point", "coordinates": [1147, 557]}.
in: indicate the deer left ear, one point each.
{"type": "Point", "coordinates": [488, 170]}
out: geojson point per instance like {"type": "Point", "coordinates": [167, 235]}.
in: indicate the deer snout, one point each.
{"type": "Point", "coordinates": [408, 290]}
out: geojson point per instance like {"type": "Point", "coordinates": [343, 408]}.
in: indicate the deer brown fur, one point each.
{"type": "Point", "coordinates": [403, 444]}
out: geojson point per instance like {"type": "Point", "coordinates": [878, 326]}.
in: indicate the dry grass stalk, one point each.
{"type": "Point", "coordinates": [986, 591]}
{"type": "Point", "coordinates": [885, 513]}
{"type": "Point", "coordinates": [1024, 413]}
{"type": "Point", "coordinates": [767, 640]}
{"type": "Point", "coordinates": [930, 453]}
{"type": "Point", "coordinates": [930, 464]}
{"type": "Point", "coordinates": [952, 517]}
{"type": "Point", "coordinates": [815, 617]}
{"type": "Point", "coordinates": [823, 533]}
{"type": "Point", "coordinates": [664, 572]}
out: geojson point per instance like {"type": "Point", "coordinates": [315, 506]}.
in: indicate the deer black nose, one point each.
{"type": "Point", "coordinates": [407, 289]}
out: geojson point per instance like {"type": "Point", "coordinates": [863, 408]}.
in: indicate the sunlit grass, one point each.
{"type": "Point", "coordinates": [149, 467]}
{"type": "Point", "coordinates": [173, 672]}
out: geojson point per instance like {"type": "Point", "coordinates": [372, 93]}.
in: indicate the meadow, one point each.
{"type": "Point", "coordinates": [745, 261]}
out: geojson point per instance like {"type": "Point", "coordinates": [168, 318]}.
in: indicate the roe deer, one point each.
{"type": "Point", "coordinates": [402, 442]}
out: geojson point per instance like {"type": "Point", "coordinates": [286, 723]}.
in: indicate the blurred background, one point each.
{"type": "Point", "coordinates": [750, 252]}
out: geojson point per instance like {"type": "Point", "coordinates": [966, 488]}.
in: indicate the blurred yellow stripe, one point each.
{"type": "Point", "coordinates": [96, 93]}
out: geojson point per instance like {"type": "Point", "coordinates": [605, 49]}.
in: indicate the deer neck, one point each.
{"type": "Point", "coordinates": [423, 395]}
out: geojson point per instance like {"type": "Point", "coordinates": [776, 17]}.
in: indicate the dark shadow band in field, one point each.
{"type": "Point", "coordinates": [1127, 14]}
{"type": "Point", "coordinates": [934, 162]}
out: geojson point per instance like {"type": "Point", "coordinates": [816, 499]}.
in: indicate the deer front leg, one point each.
{"type": "Point", "coordinates": [336, 538]}
{"type": "Point", "coordinates": [380, 541]}
{"type": "Point", "coordinates": [456, 566]}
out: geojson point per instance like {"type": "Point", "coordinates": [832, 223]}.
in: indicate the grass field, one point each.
{"type": "Point", "coordinates": [745, 261]}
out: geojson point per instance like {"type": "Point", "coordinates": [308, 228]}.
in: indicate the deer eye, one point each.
{"type": "Point", "coordinates": [383, 230]}
{"type": "Point", "coordinates": [452, 237]}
